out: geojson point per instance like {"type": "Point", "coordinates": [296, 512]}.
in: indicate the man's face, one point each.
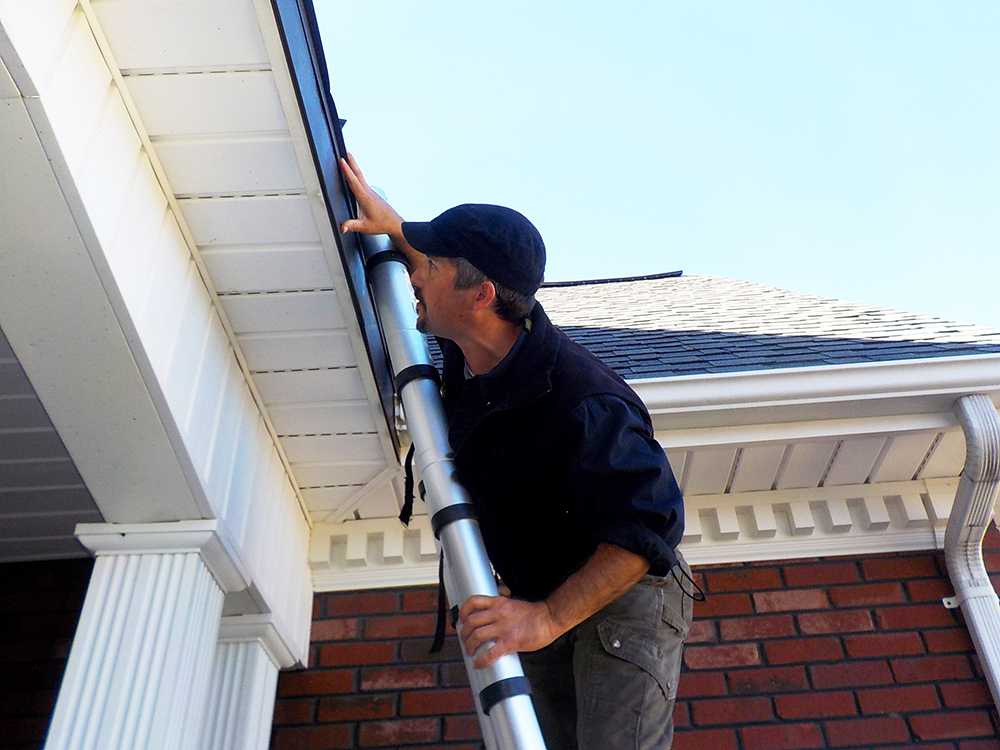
{"type": "Point", "coordinates": [440, 307]}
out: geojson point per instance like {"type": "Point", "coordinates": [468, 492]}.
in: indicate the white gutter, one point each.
{"type": "Point", "coordinates": [918, 386]}
{"type": "Point", "coordinates": [970, 515]}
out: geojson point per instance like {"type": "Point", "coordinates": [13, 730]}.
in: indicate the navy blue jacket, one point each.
{"type": "Point", "coordinates": [558, 455]}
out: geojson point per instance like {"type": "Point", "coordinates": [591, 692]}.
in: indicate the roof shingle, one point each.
{"type": "Point", "coordinates": [659, 327]}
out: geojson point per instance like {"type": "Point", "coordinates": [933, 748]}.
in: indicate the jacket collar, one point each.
{"type": "Point", "coordinates": [525, 377]}
{"type": "Point", "coordinates": [527, 374]}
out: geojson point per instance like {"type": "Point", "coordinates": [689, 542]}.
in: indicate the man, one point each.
{"type": "Point", "coordinates": [578, 506]}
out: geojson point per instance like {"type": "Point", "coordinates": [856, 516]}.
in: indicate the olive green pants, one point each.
{"type": "Point", "coordinates": [610, 682]}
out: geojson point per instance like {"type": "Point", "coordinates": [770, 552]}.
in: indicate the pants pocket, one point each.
{"type": "Point", "coordinates": [633, 686]}
{"type": "Point", "coordinates": [641, 650]}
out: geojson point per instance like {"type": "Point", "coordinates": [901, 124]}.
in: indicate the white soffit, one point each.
{"type": "Point", "coordinates": [849, 460]}
{"type": "Point", "coordinates": [209, 82]}
{"type": "Point", "coordinates": [8, 89]}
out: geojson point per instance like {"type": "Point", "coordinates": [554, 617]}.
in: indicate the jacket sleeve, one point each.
{"type": "Point", "coordinates": [623, 489]}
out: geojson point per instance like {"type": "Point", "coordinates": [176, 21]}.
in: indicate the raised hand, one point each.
{"type": "Point", "coordinates": [376, 215]}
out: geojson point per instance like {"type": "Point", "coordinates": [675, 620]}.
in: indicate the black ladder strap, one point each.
{"type": "Point", "coordinates": [449, 514]}
{"type": "Point", "coordinates": [439, 631]}
{"type": "Point", "coordinates": [406, 512]}
{"type": "Point", "coordinates": [384, 257]}
{"type": "Point", "coordinates": [415, 372]}
{"type": "Point", "coordinates": [501, 690]}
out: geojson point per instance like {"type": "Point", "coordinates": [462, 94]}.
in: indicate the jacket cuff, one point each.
{"type": "Point", "coordinates": [641, 541]}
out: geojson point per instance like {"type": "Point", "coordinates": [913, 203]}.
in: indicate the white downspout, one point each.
{"type": "Point", "coordinates": [963, 538]}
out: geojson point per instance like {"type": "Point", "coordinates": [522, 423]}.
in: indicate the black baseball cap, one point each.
{"type": "Point", "coordinates": [497, 240]}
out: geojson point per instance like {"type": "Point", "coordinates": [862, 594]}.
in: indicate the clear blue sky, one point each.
{"type": "Point", "coordinates": [847, 149]}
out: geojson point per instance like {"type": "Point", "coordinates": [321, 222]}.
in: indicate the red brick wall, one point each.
{"type": "Point", "coordinates": [830, 653]}
{"type": "Point", "coordinates": [40, 604]}
{"type": "Point", "coordinates": [838, 653]}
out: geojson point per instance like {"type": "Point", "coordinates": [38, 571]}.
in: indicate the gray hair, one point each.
{"type": "Point", "coordinates": [510, 305]}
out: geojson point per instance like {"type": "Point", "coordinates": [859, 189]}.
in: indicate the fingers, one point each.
{"type": "Point", "coordinates": [358, 186]}
{"type": "Point", "coordinates": [354, 180]}
{"type": "Point", "coordinates": [352, 162]}
{"type": "Point", "coordinates": [473, 604]}
{"type": "Point", "coordinates": [475, 637]}
{"type": "Point", "coordinates": [505, 625]}
{"type": "Point", "coordinates": [375, 215]}
{"type": "Point", "coordinates": [487, 658]}
{"type": "Point", "coordinates": [478, 619]}
{"type": "Point", "coordinates": [474, 617]}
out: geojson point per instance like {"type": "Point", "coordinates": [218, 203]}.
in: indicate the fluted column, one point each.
{"type": "Point", "coordinates": [243, 684]}
{"type": "Point", "coordinates": [138, 671]}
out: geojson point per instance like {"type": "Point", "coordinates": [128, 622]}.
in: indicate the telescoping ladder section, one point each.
{"type": "Point", "coordinates": [505, 711]}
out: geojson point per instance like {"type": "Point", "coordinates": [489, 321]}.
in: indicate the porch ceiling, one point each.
{"type": "Point", "coordinates": [42, 496]}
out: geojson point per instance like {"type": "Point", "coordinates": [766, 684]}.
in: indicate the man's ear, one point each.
{"type": "Point", "coordinates": [485, 294]}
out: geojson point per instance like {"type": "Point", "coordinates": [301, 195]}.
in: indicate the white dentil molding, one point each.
{"type": "Point", "coordinates": [740, 527]}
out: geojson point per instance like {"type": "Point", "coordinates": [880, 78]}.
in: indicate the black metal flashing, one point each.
{"type": "Point", "coordinates": [621, 279]}
{"type": "Point", "coordinates": [304, 51]}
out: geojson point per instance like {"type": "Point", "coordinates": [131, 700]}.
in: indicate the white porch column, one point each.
{"type": "Point", "coordinates": [138, 672]}
{"type": "Point", "coordinates": [244, 681]}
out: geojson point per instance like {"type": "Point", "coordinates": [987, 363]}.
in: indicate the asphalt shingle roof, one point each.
{"type": "Point", "coordinates": [684, 325]}
{"type": "Point", "coordinates": [659, 327]}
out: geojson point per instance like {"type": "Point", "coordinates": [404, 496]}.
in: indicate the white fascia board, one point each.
{"type": "Point", "coordinates": [867, 390]}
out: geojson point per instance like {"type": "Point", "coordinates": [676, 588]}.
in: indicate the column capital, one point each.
{"type": "Point", "coordinates": [259, 628]}
{"type": "Point", "coordinates": [167, 538]}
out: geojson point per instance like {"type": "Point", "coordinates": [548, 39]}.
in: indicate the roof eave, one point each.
{"type": "Point", "coordinates": [869, 389]}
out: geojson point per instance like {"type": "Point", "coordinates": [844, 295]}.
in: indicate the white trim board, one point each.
{"type": "Point", "coordinates": [902, 388]}
{"type": "Point", "coordinates": [752, 526]}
